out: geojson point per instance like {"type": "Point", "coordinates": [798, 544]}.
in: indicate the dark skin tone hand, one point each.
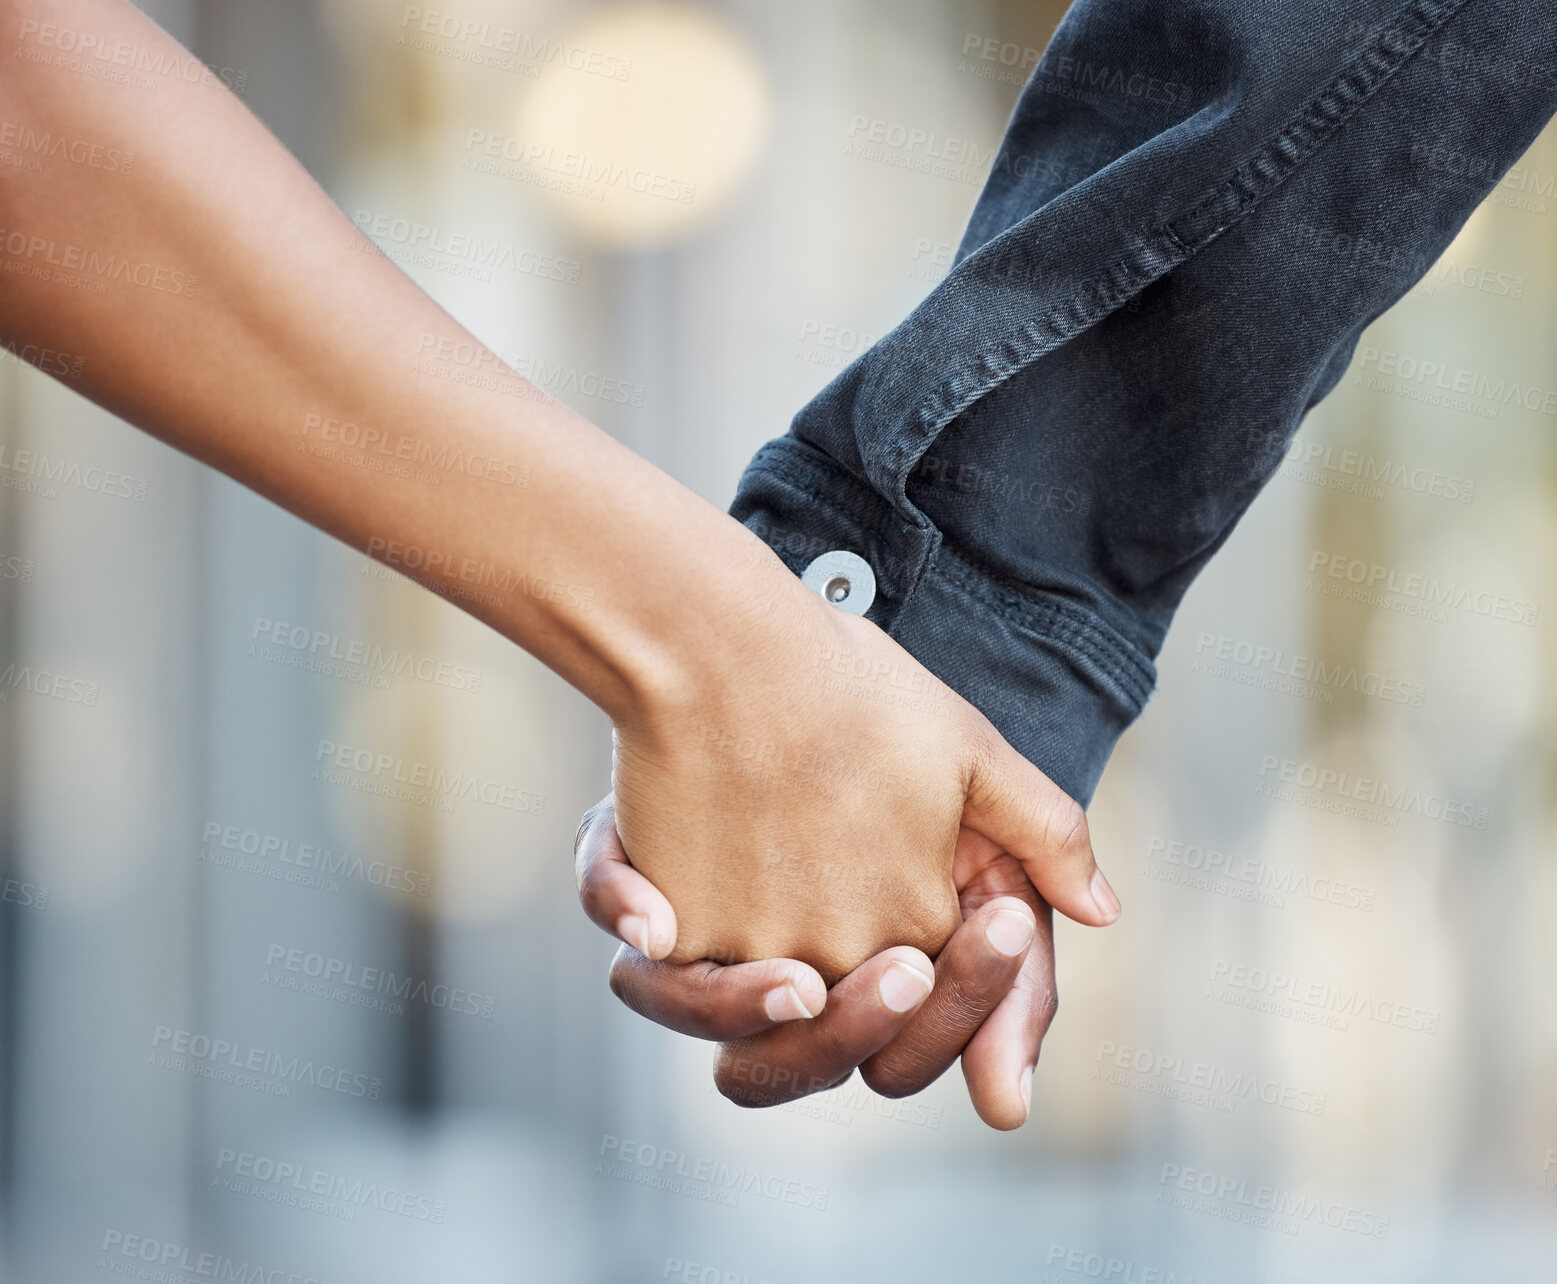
{"type": "Point", "coordinates": [991, 1003]}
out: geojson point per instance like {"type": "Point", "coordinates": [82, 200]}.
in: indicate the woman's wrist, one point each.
{"type": "Point", "coordinates": [700, 611]}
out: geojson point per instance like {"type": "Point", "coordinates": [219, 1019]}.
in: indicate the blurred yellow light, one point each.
{"type": "Point", "coordinates": [649, 126]}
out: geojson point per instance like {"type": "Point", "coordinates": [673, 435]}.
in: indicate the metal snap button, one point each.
{"type": "Point", "coordinates": [843, 579]}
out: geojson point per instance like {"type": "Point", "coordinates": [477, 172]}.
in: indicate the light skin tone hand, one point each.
{"type": "Point", "coordinates": [992, 1001]}
{"type": "Point", "coordinates": [829, 820]}
{"type": "Point", "coordinates": [221, 302]}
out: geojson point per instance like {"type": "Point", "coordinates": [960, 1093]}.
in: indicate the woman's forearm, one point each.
{"type": "Point", "coordinates": [224, 304]}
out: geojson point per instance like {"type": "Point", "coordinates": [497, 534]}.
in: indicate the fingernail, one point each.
{"type": "Point", "coordinates": [903, 988]}
{"type": "Point", "coordinates": [783, 1003]}
{"type": "Point", "coordinates": [1026, 1090]}
{"type": "Point", "coordinates": [634, 929]}
{"type": "Point", "coordinates": [1103, 896]}
{"type": "Point", "coordinates": [1009, 932]}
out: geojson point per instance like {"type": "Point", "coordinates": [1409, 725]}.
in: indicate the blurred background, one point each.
{"type": "Point", "coordinates": [1322, 1042]}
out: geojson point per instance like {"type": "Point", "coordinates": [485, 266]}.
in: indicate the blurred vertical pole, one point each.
{"type": "Point", "coordinates": [10, 926]}
{"type": "Point", "coordinates": [264, 726]}
{"type": "Point", "coordinates": [295, 90]}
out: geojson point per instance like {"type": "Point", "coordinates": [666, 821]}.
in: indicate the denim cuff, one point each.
{"type": "Point", "coordinates": [1056, 679]}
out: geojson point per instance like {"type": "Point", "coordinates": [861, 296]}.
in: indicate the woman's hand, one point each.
{"type": "Point", "coordinates": [802, 794]}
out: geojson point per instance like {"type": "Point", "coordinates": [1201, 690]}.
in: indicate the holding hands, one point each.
{"type": "Point", "coordinates": [784, 855]}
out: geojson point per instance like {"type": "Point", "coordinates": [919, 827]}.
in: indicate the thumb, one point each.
{"type": "Point", "coordinates": [614, 894]}
{"type": "Point", "coordinates": [1013, 803]}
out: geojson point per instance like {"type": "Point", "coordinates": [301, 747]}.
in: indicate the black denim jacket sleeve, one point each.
{"type": "Point", "coordinates": [1197, 208]}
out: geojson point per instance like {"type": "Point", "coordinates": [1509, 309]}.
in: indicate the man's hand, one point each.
{"type": "Point", "coordinates": [992, 999]}
{"type": "Point", "coordinates": [800, 793]}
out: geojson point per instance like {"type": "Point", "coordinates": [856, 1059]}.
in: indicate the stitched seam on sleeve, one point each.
{"type": "Point", "coordinates": [871, 512]}
{"type": "Point", "coordinates": [1178, 239]}
{"type": "Point", "coordinates": [1044, 616]}
{"type": "Point", "coordinates": [1052, 619]}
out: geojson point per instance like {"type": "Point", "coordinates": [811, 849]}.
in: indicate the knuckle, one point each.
{"type": "Point", "coordinates": [900, 1075]}
{"type": "Point", "coordinates": [890, 1078]}
{"type": "Point", "coordinates": [590, 895]}
{"type": "Point", "coordinates": [1065, 827]}
{"type": "Point", "coordinates": [743, 1095]}
{"type": "Point", "coordinates": [914, 1064]}
{"type": "Point", "coordinates": [983, 748]}
{"type": "Point", "coordinates": [962, 1006]}
{"type": "Point", "coordinates": [754, 1083]}
{"type": "Point", "coordinates": [750, 1097]}
{"type": "Point", "coordinates": [621, 980]}
{"type": "Point", "coordinates": [584, 825]}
